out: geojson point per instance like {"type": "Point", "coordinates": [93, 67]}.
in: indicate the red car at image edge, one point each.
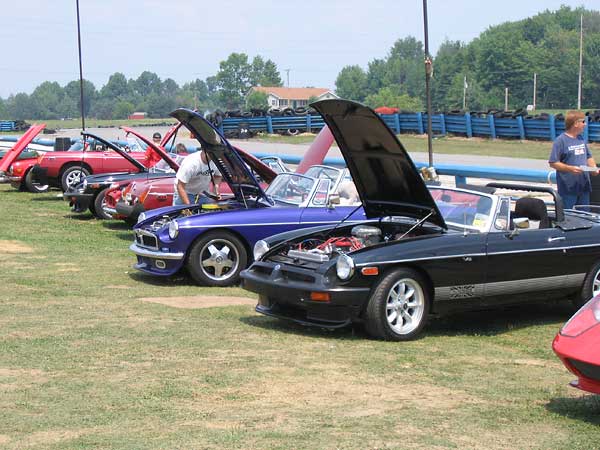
{"type": "Point", "coordinates": [577, 344]}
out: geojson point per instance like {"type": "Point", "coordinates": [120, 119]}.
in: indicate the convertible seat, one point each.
{"type": "Point", "coordinates": [533, 209]}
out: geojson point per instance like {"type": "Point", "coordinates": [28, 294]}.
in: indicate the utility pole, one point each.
{"type": "Point", "coordinates": [428, 70]}
{"type": "Point", "coordinates": [534, 88]}
{"type": "Point", "coordinates": [580, 62]}
{"type": "Point", "coordinates": [465, 86]}
{"type": "Point", "coordinates": [80, 68]}
{"type": "Point", "coordinates": [506, 99]}
{"type": "Point", "coordinates": [288, 77]}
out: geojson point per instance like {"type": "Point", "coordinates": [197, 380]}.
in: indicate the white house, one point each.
{"type": "Point", "coordinates": [286, 97]}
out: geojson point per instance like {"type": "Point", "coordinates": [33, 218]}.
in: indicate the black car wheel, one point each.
{"type": "Point", "coordinates": [32, 185]}
{"type": "Point", "coordinates": [398, 307]}
{"type": "Point", "coordinates": [72, 176]}
{"type": "Point", "coordinates": [217, 259]}
{"type": "Point", "coordinates": [591, 286]}
{"type": "Point", "coordinates": [99, 204]}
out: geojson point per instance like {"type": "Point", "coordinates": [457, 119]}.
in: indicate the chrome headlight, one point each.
{"type": "Point", "coordinates": [141, 217]}
{"type": "Point", "coordinates": [260, 248]}
{"type": "Point", "coordinates": [173, 229]}
{"type": "Point", "coordinates": [344, 267]}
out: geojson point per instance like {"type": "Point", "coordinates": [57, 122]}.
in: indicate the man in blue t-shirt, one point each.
{"type": "Point", "coordinates": [570, 157]}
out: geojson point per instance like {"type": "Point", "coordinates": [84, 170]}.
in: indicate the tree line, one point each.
{"type": "Point", "coordinates": [476, 73]}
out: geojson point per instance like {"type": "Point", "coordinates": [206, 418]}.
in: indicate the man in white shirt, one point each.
{"type": "Point", "coordinates": [195, 176]}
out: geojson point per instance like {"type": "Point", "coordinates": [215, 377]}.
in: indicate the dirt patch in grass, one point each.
{"type": "Point", "coordinates": [50, 437]}
{"type": "Point", "coordinates": [14, 247]}
{"type": "Point", "coordinates": [22, 377]}
{"type": "Point", "coordinates": [200, 301]}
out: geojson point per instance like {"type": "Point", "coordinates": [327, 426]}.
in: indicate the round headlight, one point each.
{"type": "Point", "coordinates": [173, 229]}
{"type": "Point", "coordinates": [141, 217]}
{"type": "Point", "coordinates": [344, 267]}
{"type": "Point", "coordinates": [260, 248]}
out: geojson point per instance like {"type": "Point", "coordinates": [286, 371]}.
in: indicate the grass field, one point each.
{"type": "Point", "coordinates": [93, 356]}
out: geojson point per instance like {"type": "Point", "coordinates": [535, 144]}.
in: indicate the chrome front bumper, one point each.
{"type": "Point", "coordinates": [147, 253]}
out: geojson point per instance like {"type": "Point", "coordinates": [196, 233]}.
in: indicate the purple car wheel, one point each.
{"type": "Point", "coordinates": [217, 259]}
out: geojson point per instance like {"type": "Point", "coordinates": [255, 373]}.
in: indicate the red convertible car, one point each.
{"type": "Point", "coordinates": [577, 344]}
{"type": "Point", "coordinates": [67, 168]}
{"type": "Point", "coordinates": [17, 162]}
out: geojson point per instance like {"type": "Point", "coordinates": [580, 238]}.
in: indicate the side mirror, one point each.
{"type": "Point", "coordinates": [334, 199]}
{"type": "Point", "coordinates": [521, 222]}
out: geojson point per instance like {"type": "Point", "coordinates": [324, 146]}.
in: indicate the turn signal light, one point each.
{"type": "Point", "coordinates": [370, 271]}
{"type": "Point", "coordinates": [320, 296]}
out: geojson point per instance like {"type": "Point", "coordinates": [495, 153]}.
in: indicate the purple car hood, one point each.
{"type": "Point", "coordinates": [387, 180]}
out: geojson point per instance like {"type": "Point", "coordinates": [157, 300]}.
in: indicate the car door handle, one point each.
{"type": "Point", "coordinates": [556, 239]}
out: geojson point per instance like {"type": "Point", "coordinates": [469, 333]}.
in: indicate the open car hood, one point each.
{"type": "Point", "coordinates": [20, 145]}
{"type": "Point", "coordinates": [229, 162]}
{"type": "Point", "coordinates": [138, 165]}
{"type": "Point", "coordinates": [387, 180]}
{"type": "Point", "coordinates": [155, 148]}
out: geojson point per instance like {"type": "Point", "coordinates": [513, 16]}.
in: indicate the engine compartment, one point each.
{"type": "Point", "coordinates": [320, 249]}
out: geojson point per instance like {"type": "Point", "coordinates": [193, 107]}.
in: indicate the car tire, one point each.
{"type": "Point", "coordinates": [33, 186]}
{"type": "Point", "coordinates": [99, 203]}
{"type": "Point", "coordinates": [591, 286]}
{"type": "Point", "coordinates": [217, 259]}
{"type": "Point", "coordinates": [399, 306]}
{"type": "Point", "coordinates": [72, 176]}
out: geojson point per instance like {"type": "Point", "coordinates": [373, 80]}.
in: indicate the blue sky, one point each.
{"type": "Point", "coordinates": [186, 39]}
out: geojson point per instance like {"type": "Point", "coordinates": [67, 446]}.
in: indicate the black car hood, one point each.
{"type": "Point", "coordinates": [387, 180]}
{"type": "Point", "coordinates": [226, 158]}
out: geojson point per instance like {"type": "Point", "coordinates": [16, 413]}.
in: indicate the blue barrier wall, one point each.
{"type": "Point", "coordinates": [442, 124]}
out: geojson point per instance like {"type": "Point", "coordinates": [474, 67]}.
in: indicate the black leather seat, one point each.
{"type": "Point", "coordinates": [533, 209]}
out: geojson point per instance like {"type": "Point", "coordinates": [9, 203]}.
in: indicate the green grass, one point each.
{"type": "Point", "coordinates": [85, 363]}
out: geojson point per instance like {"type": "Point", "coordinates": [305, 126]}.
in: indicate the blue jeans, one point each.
{"type": "Point", "coordinates": [199, 199]}
{"type": "Point", "coordinates": [570, 200]}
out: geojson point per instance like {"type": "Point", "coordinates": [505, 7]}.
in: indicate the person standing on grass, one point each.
{"type": "Point", "coordinates": [194, 177]}
{"type": "Point", "coordinates": [570, 157]}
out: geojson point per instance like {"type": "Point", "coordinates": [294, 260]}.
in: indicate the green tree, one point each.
{"type": "Point", "coordinates": [263, 73]}
{"type": "Point", "coordinates": [147, 83]}
{"type": "Point", "coordinates": [72, 91]}
{"type": "Point", "coordinates": [47, 98]}
{"type": "Point", "coordinates": [233, 80]}
{"type": "Point", "coordinates": [388, 96]}
{"type": "Point", "coordinates": [116, 87]}
{"type": "Point", "coordinates": [351, 83]}
{"type": "Point", "coordinates": [20, 107]}
{"type": "Point", "coordinates": [122, 110]}
{"type": "Point", "coordinates": [257, 100]}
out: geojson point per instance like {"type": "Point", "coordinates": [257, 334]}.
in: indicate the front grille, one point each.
{"type": "Point", "coordinates": [588, 370]}
{"type": "Point", "coordinates": [146, 239]}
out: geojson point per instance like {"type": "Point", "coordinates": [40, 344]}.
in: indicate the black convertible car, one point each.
{"type": "Point", "coordinates": [423, 250]}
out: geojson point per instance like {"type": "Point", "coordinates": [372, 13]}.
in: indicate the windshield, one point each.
{"type": "Point", "coordinates": [290, 188]}
{"type": "Point", "coordinates": [465, 209]}
{"type": "Point", "coordinates": [323, 172]}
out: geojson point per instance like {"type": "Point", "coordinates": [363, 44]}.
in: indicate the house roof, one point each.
{"type": "Point", "coordinates": [292, 93]}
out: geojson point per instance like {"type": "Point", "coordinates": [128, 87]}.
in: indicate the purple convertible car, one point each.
{"type": "Point", "coordinates": [214, 242]}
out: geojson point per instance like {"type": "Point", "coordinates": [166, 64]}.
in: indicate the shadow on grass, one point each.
{"type": "Point", "coordinates": [586, 408]}
{"type": "Point", "coordinates": [180, 279]}
{"type": "Point", "coordinates": [48, 197]}
{"type": "Point", "coordinates": [476, 323]}
{"type": "Point", "coordinates": [491, 322]}
{"type": "Point", "coordinates": [82, 217]}
{"type": "Point", "coordinates": [289, 327]}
